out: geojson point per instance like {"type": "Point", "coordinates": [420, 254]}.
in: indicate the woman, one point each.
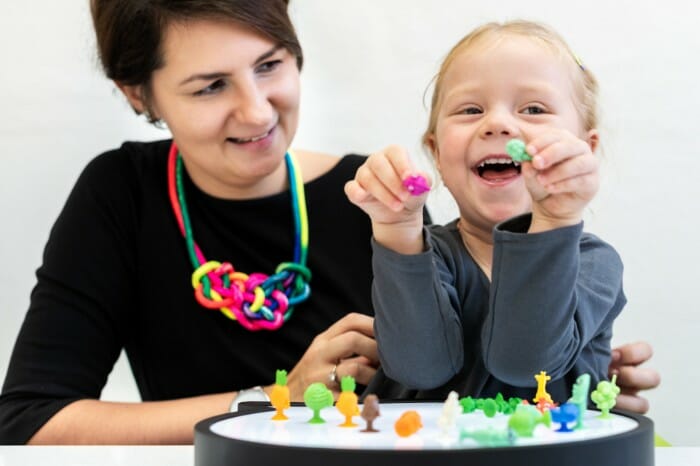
{"type": "Point", "coordinates": [223, 75]}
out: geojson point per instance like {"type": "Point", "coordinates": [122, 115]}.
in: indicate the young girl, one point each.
{"type": "Point", "coordinates": [513, 286]}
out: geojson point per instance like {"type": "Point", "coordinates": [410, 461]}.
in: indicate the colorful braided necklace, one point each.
{"type": "Point", "coordinates": [257, 301]}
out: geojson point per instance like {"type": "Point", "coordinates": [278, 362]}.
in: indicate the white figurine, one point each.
{"type": "Point", "coordinates": [450, 410]}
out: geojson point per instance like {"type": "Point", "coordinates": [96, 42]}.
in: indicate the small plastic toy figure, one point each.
{"type": "Point", "coordinates": [408, 423]}
{"type": "Point", "coordinates": [416, 184]}
{"type": "Point", "coordinates": [564, 414]}
{"type": "Point", "coordinates": [450, 411]}
{"type": "Point", "coordinates": [347, 401]}
{"type": "Point", "coordinates": [515, 148]}
{"type": "Point", "coordinates": [488, 406]}
{"type": "Point", "coordinates": [542, 394]}
{"type": "Point", "coordinates": [489, 437]}
{"type": "Point", "coordinates": [525, 418]}
{"type": "Point", "coordinates": [579, 397]}
{"type": "Point", "coordinates": [370, 412]}
{"type": "Point", "coordinates": [468, 404]}
{"type": "Point", "coordinates": [279, 397]}
{"type": "Point", "coordinates": [316, 397]}
{"type": "Point", "coordinates": [605, 396]}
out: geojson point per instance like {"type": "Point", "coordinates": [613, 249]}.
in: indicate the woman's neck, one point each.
{"type": "Point", "coordinates": [479, 245]}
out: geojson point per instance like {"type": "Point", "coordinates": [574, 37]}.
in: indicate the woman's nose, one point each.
{"type": "Point", "coordinates": [253, 107]}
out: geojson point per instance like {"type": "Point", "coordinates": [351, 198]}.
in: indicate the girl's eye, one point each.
{"type": "Point", "coordinates": [533, 110]}
{"type": "Point", "coordinates": [268, 66]}
{"type": "Point", "coordinates": [212, 88]}
{"type": "Point", "coordinates": [471, 111]}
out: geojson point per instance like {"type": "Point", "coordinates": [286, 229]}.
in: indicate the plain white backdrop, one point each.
{"type": "Point", "coordinates": [367, 66]}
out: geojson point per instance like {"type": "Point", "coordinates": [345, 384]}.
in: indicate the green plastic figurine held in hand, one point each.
{"type": "Point", "coordinates": [515, 148]}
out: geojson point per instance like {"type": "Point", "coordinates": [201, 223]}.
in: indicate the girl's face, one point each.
{"type": "Point", "coordinates": [493, 91]}
{"type": "Point", "coordinates": [231, 99]}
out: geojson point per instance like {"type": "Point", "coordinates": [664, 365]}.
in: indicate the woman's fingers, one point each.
{"type": "Point", "coordinates": [353, 343]}
{"type": "Point", "coordinates": [636, 378]}
{"type": "Point", "coordinates": [360, 368]}
{"type": "Point", "coordinates": [634, 403]}
{"type": "Point", "coordinates": [348, 345]}
{"type": "Point", "coordinates": [350, 322]}
{"type": "Point", "coordinates": [632, 354]}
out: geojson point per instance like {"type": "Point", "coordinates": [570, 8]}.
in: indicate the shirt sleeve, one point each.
{"type": "Point", "coordinates": [417, 326]}
{"type": "Point", "coordinates": [553, 299]}
{"type": "Point", "coordinates": [75, 327]}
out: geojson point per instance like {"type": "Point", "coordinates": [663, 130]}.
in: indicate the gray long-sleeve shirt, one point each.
{"type": "Point", "coordinates": [441, 325]}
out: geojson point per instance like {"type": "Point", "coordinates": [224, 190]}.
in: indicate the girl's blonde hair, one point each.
{"type": "Point", "coordinates": [585, 84]}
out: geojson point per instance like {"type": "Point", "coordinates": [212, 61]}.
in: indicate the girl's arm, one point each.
{"type": "Point", "coordinates": [554, 297]}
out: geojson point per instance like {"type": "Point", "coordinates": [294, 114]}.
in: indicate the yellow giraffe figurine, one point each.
{"type": "Point", "coordinates": [542, 394]}
{"type": "Point", "coordinates": [279, 397]}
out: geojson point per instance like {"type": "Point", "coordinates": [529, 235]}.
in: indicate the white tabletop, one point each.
{"type": "Point", "coordinates": [184, 456]}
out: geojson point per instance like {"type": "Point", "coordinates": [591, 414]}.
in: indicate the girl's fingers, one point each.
{"type": "Point", "coordinates": [378, 178]}
{"type": "Point", "coordinates": [569, 168]}
{"type": "Point", "coordinates": [554, 147]}
{"type": "Point", "coordinates": [582, 186]}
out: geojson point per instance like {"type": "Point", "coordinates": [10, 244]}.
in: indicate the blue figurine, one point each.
{"type": "Point", "coordinates": [564, 414]}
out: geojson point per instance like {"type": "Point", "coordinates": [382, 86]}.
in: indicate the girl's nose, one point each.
{"type": "Point", "coordinates": [499, 123]}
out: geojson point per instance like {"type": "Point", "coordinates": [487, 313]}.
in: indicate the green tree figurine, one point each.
{"type": "Point", "coordinates": [605, 396]}
{"type": "Point", "coordinates": [316, 397]}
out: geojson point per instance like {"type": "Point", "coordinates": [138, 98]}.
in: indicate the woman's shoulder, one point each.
{"type": "Point", "coordinates": [133, 152]}
{"type": "Point", "coordinates": [130, 160]}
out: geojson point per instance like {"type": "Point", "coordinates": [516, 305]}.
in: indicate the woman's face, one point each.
{"type": "Point", "coordinates": [231, 99]}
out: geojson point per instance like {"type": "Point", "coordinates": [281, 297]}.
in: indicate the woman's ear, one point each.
{"type": "Point", "coordinates": [593, 139]}
{"type": "Point", "coordinates": [134, 94]}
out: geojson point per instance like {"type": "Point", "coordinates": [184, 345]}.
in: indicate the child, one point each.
{"type": "Point", "coordinates": [513, 286]}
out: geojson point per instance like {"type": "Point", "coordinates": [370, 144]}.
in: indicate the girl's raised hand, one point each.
{"type": "Point", "coordinates": [379, 190]}
{"type": "Point", "coordinates": [562, 177]}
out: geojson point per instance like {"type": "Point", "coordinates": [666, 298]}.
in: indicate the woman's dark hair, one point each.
{"type": "Point", "coordinates": [130, 32]}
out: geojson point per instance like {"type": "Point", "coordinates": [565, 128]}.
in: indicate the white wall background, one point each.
{"type": "Point", "coordinates": [368, 63]}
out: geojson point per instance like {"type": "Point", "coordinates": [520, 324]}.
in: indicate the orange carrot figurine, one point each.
{"type": "Point", "coordinates": [408, 423]}
{"type": "Point", "coordinates": [279, 397]}
{"type": "Point", "coordinates": [347, 401]}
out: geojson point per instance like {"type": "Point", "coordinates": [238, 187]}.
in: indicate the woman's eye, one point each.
{"type": "Point", "coordinates": [212, 88]}
{"type": "Point", "coordinates": [268, 66]}
{"type": "Point", "coordinates": [533, 110]}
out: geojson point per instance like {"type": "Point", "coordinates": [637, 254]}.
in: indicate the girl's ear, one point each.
{"type": "Point", "coordinates": [593, 139]}
{"type": "Point", "coordinates": [134, 94]}
{"type": "Point", "coordinates": [433, 147]}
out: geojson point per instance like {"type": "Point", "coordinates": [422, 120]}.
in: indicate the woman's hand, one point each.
{"type": "Point", "coordinates": [348, 345]}
{"type": "Point", "coordinates": [631, 378]}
